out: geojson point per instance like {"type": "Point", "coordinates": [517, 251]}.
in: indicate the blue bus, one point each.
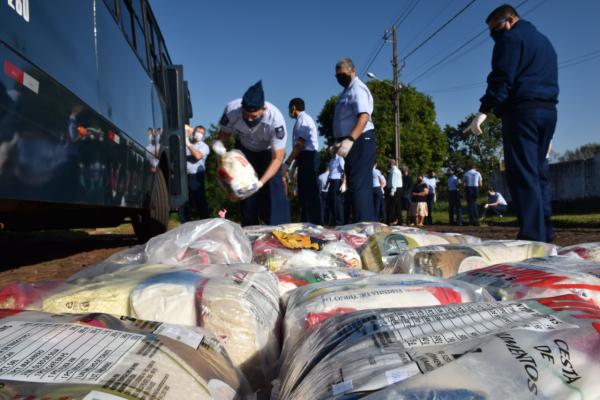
{"type": "Point", "coordinates": [92, 115]}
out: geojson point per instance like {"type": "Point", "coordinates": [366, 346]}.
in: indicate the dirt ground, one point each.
{"type": "Point", "coordinates": [40, 256]}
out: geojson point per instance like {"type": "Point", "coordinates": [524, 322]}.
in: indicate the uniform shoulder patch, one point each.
{"type": "Point", "coordinates": [224, 120]}
{"type": "Point", "coordinates": [279, 132]}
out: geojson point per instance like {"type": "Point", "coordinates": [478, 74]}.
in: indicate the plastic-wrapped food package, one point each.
{"type": "Point", "coordinates": [209, 241]}
{"type": "Point", "coordinates": [381, 248]}
{"type": "Point", "coordinates": [539, 277]}
{"type": "Point", "coordinates": [97, 356]}
{"type": "Point", "coordinates": [547, 348]}
{"type": "Point", "coordinates": [587, 251]}
{"type": "Point", "coordinates": [254, 232]}
{"type": "Point", "coordinates": [344, 252]}
{"type": "Point", "coordinates": [236, 175]}
{"type": "Point", "coordinates": [26, 296]}
{"type": "Point", "coordinates": [448, 260]}
{"type": "Point", "coordinates": [278, 259]}
{"type": "Point", "coordinates": [290, 279]}
{"type": "Point", "coordinates": [309, 306]}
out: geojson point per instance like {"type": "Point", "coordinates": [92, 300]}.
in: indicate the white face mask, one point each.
{"type": "Point", "coordinates": [197, 136]}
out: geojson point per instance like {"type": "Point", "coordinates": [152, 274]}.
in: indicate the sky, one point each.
{"type": "Point", "coordinates": [226, 46]}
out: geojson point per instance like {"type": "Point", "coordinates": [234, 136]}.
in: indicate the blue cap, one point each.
{"type": "Point", "coordinates": [254, 98]}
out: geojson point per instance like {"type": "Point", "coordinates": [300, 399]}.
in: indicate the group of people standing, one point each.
{"type": "Point", "coordinates": [522, 90]}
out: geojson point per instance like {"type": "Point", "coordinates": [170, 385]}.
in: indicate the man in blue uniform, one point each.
{"type": "Point", "coordinates": [523, 91]}
{"type": "Point", "coordinates": [454, 207]}
{"type": "Point", "coordinates": [259, 129]}
{"type": "Point", "coordinates": [306, 154]}
{"type": "Point", "coordinates": [335, 196]}
{"type": "Point", "coordinates": [473, 181]}
{"type": "Point", "coordinates": [196, 152]}
{"type": "Point", "coordinates": [354, 133]}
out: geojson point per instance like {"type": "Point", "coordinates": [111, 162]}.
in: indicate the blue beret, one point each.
{"type": "Point", "coordinates": [254, 98]}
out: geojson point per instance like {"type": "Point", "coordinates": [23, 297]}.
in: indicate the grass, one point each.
{"type": "Point", "coordinates": [561, 220]}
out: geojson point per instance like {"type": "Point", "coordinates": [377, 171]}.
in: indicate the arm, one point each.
{"type": "Point", "coordinates": [363, 118]}
{"type": "Point", "coordinates": [195, 152]}
{"type": "Point", "coordinates": [276, 160]}
{"type": "Point", "coordinates": [295, 151]}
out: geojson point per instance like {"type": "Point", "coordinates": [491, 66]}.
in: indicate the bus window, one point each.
{"type": "Point", "coordinates": [112, 7]}
{"type": "Point", "coordinates": [140, 40]}
{"type": "Point", "coordinates": [127, 21]}
{"type": "Point", "coordinates": [137, 9]}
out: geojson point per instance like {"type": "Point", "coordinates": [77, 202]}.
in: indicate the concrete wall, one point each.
{"type": "Point", "coordinates": [572, 180]}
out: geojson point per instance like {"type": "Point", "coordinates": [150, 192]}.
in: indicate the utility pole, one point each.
{"type": "Point", "coordinates": [396, 97]}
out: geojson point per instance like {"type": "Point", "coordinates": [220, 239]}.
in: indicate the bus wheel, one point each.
{"type": "Point", "coordinates": [155, 219]}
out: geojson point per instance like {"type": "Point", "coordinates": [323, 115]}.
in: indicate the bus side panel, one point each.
{"type": "Point", "coordinates": [58, 39]}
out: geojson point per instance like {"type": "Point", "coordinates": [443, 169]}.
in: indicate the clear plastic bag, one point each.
{"type": "Point", "coordinates": [293, 278]}
{"type": "Point", "coordinates": [308, 306]}
{"type": "Point", "coordinates": [236, 175]}
{"type": "Point", "coordinates": [539, 277]}
{"type": "Point", "coordinates": [586, 251]}
{"type": "Point", "coordinates": [547, 348]}
{"type": "Point", "coordinates": [381, 248]}
{"type": "Point", "coordinates": [115, 358]}
{"type": "Point", "coordinates": [448, 260]}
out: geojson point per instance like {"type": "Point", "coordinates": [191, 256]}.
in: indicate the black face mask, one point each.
{"type": "Point", "coordinates": [497, 34]}
{"type": "Point", "coordinates": [343, 79]}
{"type": "Point", "coordinates": [252, 124]}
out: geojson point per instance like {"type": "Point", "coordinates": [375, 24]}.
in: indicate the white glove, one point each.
{"type": "Point", "coordinates": [475, 125]}
{"type": "Point", "coordinates": [343, 188]}
{"type": "Point", "coordinates": [486, 206]}
{"type": "Point", "coordinates": [343, 148]}
{"type": "Point", "coordinates": [219, 148]}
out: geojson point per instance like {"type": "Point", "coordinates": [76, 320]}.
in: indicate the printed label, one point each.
{"type": "Point", "coordinates": [31, 83]}
{"type": "Point", "coordinates": [445, 325]}
{"type": "Point", "coordinates": [182, 334]}
{"type": "Point", "coordinates": [60, 352]}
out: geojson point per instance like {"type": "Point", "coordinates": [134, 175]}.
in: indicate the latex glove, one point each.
{"type": "Point", "coordinates": [219, 148]}
{"type": "Point", "coordinates": [187, 141]}
{"type": "Point", "coordinates": [486, 206]}
{"type": "Point", "coordinates": [344, 147]}
{"type": "Point", "coordinates": [343, 188]}
{"type": "Point", "coordinates": [475, 125]}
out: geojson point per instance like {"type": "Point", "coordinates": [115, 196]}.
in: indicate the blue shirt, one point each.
{"type": "Point", "coordinates": [323, 180]}
{"type": "Point", "coordinates": [305, 128]}
{"type": "Point", "coordinates": [354, 100]}
{"type": "Point", "coordinates": [453, 183]}
{"type": "Point", "coordinates": [192, 164]}
{"type": "Point", "coordinates": [336, 167]}
{"type": "Point", "coordinates": [431, 183]}
{"type": "Point", "coordinates": [269, 134]}
{"type": "Point", "coordinates": [524, 70]}
{"type": "Point", "coordinates": [377, 176]}
{"type": "Point", "coordinates": [473, 178]}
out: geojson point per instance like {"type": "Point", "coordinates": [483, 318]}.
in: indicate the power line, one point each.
{"type": "Point", "coordinates": [431, 21]}
{"type": "Point", "coordinates": [407, 13]}
{"type": "Point", "coordinates": [445, 24]}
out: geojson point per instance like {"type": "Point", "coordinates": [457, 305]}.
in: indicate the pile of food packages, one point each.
{"type": "Point", "coordinates": [211, 310]}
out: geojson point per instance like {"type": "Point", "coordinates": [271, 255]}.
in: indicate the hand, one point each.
{"type": "Point", "coordinates": [285, 167]}
{"type": "Point", "coordinates": [475, 125]}
{"type": "Point", "coordinates": [344, 147]}
{"type": "Point", "coordinates": [486, 206]}
{"type": "Point", "coordinates": [187, 141]}
{"type": "Point", "coordinates": [219, 148]}
{"type": "Point", "coordinates": [343, 188]}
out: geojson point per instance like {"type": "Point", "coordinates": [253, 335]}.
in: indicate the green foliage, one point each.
{"type": "Point", "coordinates": [466, 149]}
{"type": "Point", "coordinates": [581, 153]}
{"type": "Point", "coordinates": [422, 144]}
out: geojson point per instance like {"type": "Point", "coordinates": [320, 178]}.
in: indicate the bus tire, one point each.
{"type": "Point", "coordinates": [155, 219]}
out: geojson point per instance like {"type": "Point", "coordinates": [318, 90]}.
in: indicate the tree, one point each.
{"type": "Point", "coordinates": [422, 144]}
{"type": "Point", "coordinates": [581, 153]}
{"type": "Point", "coordinates": [466, 149]}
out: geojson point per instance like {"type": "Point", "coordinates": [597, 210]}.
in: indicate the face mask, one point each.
{"type": "Point", "coordinates": [196, 137]}
{"type": "Point", "coordinates": [153, 141]}
{"type": "Point", "coordinates": [343, 79]}
{"type": "Point", "coordinates": [252, 124]}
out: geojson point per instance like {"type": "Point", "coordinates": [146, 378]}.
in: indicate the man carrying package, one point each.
{"type": "Point", "coordinates": [260, 133]}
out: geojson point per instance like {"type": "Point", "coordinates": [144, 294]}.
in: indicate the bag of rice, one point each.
{"type": "Point", "coordinates": [587, 251]}
{"type": "Point", "coordinates": [236, 175]}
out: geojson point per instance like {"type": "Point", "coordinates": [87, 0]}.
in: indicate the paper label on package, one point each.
{"type": "Point", "coordinates": [61, 352]}
{"type": "Point", "coordinates": [185, 335]}
{"type": "Point", "coordinates": [342, 387]}
{"type": "Point", "coordinates": [96, 395]}
{"type": "Point", "coordinates": [453, 324]}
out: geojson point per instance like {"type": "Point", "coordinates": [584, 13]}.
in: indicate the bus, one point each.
{"type": "Point", "coordinates": [92, 116]}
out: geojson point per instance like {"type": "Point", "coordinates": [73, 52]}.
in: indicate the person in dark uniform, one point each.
{"type": "Point", "coordinates": [260, 133]}
{"type": "Point", "coordinates": [407, 186]}
{"type": "Point", "coordinates": [335, 195]}
{"type": "Point", "coordinates": [306, 154]}
{"type": "Point", "coordinates": [196, 152]}
{"type": "Point", "coordinates": [454, 207]}
{"type": "Point", "coordinates": [354, 133]}
{"type": "Point", "coordinates": [523, 91]}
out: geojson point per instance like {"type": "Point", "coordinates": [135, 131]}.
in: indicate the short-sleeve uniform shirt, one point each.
{"type": "Point", "coordinates": [354, 100]}
{"type": "Point", "coordinates": [305, 128]}
{"type": "Point", "coordinates": [269, 134]}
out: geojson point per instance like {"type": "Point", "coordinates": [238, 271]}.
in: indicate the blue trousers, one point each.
{"type": "Point", "coordinates": [359, 176]}
{"type": "Point", "coordinates": [324, 208]}
{"type": "Point", "coordinates": [335, 203]}
{"type": "Point", "coordinates": [197, 198]}
{"type": "Point", "coordinates": [429, 217]}
{"type": "Point", "coordinates": [472, 192]}
{"type": "Point", "coordinates": [270, 205]}
{"type": "Point", "coordinates": [454, 208]}
{"type": "Point", "coordinates": [308, 187]}
{"type": "Point", "coordinates": [378, 207]}
{"type": "Point", "coordinates": [526, 134]}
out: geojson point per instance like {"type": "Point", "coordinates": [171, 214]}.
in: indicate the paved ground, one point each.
{"type": "Point", "coordinates": [33, 257]}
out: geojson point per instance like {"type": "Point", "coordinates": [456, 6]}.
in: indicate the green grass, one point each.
{"type": "Point", "coordinates": [562, 220]}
